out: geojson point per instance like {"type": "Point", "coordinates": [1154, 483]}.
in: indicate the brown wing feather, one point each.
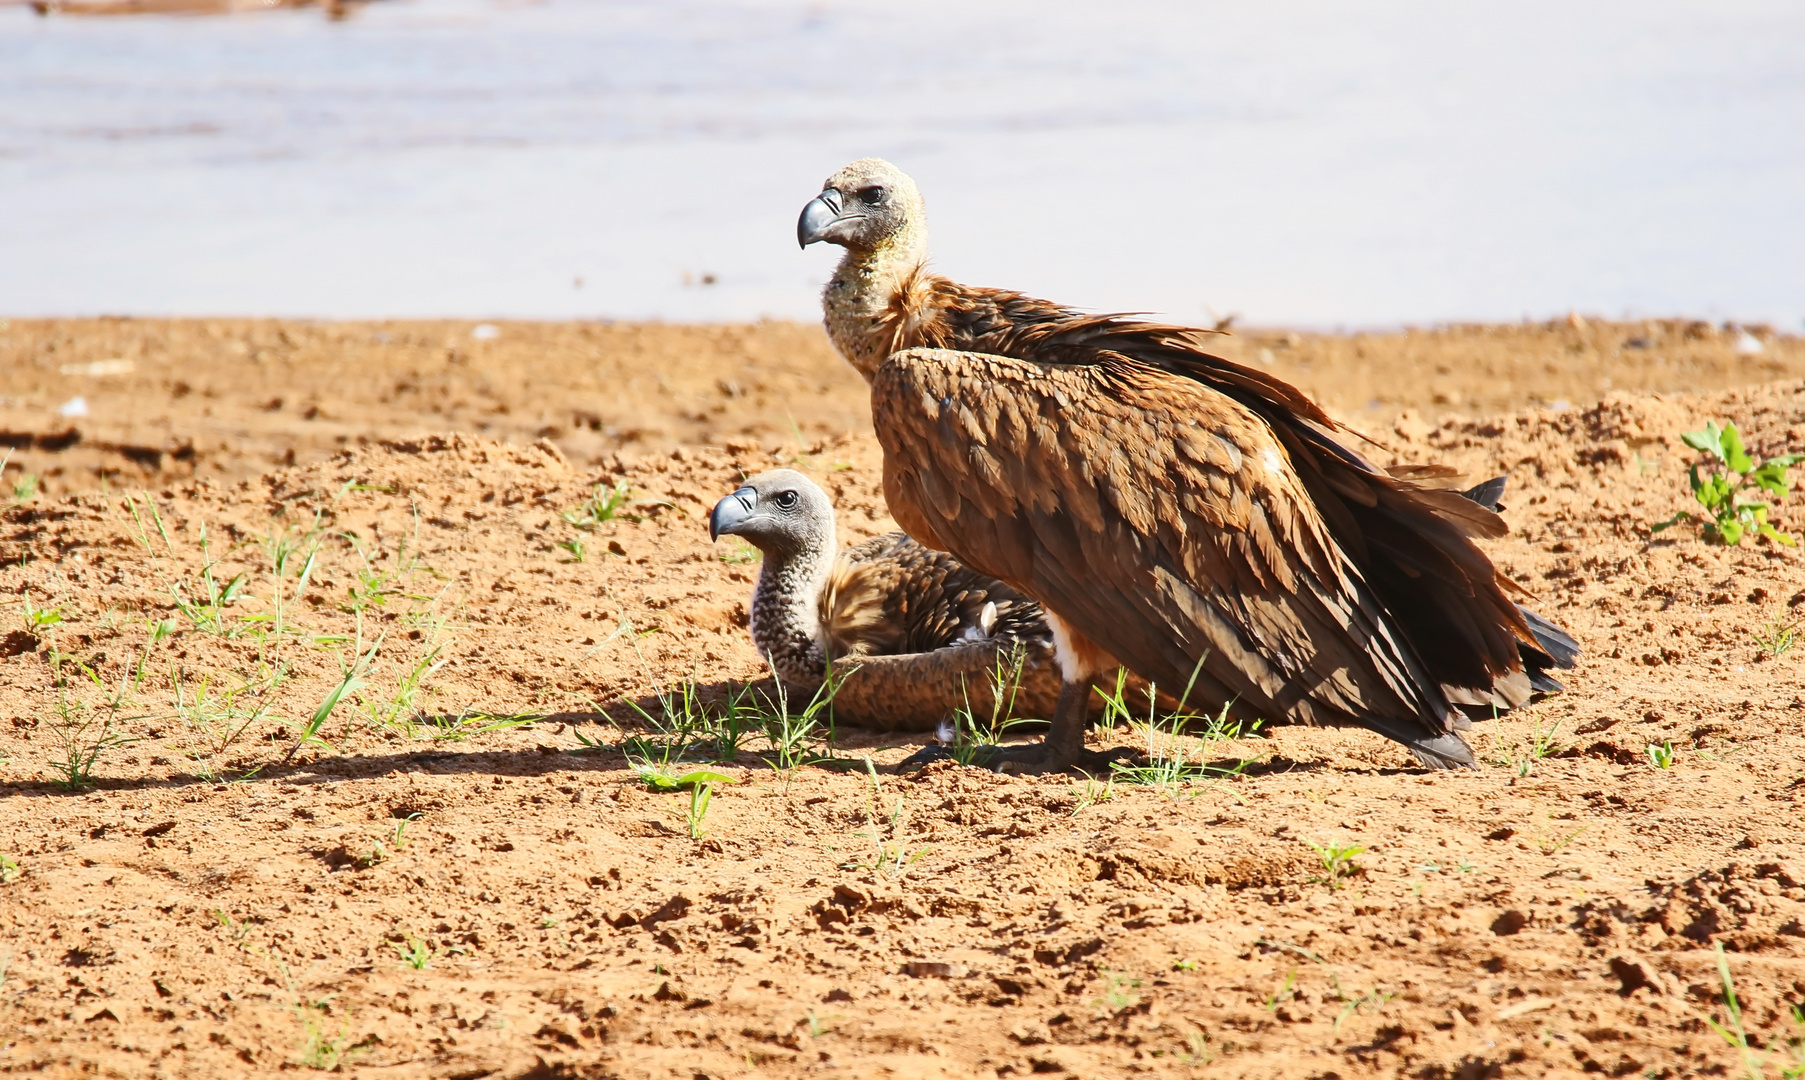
{"type": "Point", "coordinates": [1411, 539]}
{"type": "Point", "coordinates": [1144, 510]}
{"type": "Point", "coordinates": [891, 595]}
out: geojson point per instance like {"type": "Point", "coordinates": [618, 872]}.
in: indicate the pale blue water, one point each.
{"type": "Point", "coordinates": [1333, 163]}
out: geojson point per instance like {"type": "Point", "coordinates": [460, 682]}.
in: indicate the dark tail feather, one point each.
{"type": "Point", "coordinates": [1488, 494]}
{"type": "Point", "coordinates": [1557, 643]}
{"type": "Point", "coordinates": [1447, 751]}
{"type": "Point", "coordinates": [1558, 649]}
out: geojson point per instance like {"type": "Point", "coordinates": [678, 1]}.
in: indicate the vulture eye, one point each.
{"type": "Point", "coordinates": [786, 500]}
{"type": "Point", "coordinates": [871, 196]}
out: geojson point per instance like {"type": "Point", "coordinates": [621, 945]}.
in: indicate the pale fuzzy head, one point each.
{"type": "Point", "coordinates": [782, 513]}
{"type": "Point", "coordinates": [868, 205]}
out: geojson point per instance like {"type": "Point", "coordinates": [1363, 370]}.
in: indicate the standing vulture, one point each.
{"type": "Point", "coordinates": [1174, 512]}
{"type": "Point", "coordinates": [914, 634]}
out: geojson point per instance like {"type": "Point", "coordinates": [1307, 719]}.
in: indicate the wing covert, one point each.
{"type": "Point", "coordinates": [1156, 516]}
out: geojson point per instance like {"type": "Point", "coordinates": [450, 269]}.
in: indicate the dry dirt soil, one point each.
{"type": "Point", "coordinates": [257, 524]}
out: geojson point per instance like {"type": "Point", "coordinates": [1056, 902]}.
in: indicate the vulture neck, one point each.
{"type": "Point", "coordinates": [786, 616]}
{"type": "Point", "coordinates": [862, 317]}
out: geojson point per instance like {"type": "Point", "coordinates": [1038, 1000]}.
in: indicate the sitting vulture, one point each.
{"type": "Point", "coordinates": [1173, 512]}
{"type": "Point", "coordinates": [919, 633]}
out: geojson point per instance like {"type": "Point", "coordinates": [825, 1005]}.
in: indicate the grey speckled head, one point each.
{"type": "Point", "coordinates": [782, 513]}
{"type": "Point", "coordinates": [866, 205]}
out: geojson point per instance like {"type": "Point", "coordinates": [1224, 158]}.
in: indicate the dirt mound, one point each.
{"type": "Point", "coordinates": [463, 876]}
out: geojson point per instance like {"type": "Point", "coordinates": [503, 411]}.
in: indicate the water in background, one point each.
{"type": "Point", "coordinates": [1306, 163]}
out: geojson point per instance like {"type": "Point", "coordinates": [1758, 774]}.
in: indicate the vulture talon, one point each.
{"type": "Point", "coordinates": [1194, 519]}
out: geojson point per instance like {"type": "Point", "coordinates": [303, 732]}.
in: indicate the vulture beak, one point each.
{"type": "Point", "coordinates": [730, 513]}
{"type": "Point", "coordinates": [819, 218]}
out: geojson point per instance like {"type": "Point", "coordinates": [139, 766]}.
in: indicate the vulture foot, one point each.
{"type": "Point", "coordinates": [1023, 759]}
{"type": "Point", "coordinates": [1038, 759]}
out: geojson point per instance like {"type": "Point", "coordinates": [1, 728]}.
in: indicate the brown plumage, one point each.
{"type": "Point", "coordinates": [917, 630]}
{"type": "Point", "coordinates": [1167, 507]}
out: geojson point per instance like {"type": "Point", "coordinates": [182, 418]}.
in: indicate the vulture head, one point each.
{"type": "Point", "coordinates": [865, 206]}
{"type": "Point", "coordinates": [782, 513]}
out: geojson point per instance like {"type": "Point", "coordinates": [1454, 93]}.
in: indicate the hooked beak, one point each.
{"type": "Point", "coordinates": [730, 513]}
{"type": "Point", "coordinates": [819, 218]}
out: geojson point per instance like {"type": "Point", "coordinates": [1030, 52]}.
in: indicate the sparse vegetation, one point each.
{"type": "Point", "coordinates": [85, 729]}
{"type": "Point", "coordinates": [736, 551]}
{"type": "Point", "coordinates": [1661, 754]}
{"type": "Point", "coordinates": [1776, 637]}
{"type": "Point", "coordinates": [1728, 515]}
{"type": "Point", "coordinates": [1120, 993]}
{"type": "Point", "coordinates": [10, 870]}
{"type": "Point", "coordinates": [1734, 1032]}
{"type": "Point", "coordinates": [1542, 743]}
{"type": "Point", "coordinates": [891, 853]}
{"type": "Point", "coordinates": [414, 952]}
{"type": "Point", "coordinates": [700, 796]}
{"type": "Point", "coordinates": [973, 735]}
{"type": "Point", "coordinates": [604, 504]}
{"type": "Point", "coordinates": [1092, 793]}
{"type": "Point", "coordinates": [1176, 741]}
{"type": "Point", "coordinates": [1285, 992]}
{"type": "Point", "coordinates": [1337, 862]}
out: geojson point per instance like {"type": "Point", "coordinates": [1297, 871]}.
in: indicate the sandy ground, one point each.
{"type": "Point", "coordinates": [465, 878]}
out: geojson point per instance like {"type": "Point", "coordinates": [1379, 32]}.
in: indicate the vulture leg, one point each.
{"type": "Point", "coordinates": [1063, 747]}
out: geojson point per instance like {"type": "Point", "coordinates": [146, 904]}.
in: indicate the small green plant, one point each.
{"type": "Point", "coordinates": [1374, 999]}
{"type": "Point", "coordinates": [699, 797]}
{"type": "Point", "coordinates": [85, 730]}
{"type": "Point", "coordinates": [1184, 965]}
{"type": "Point", "coordinates": [1551, 845]}
{"type": "Point", "coordinates": [1542, 743]}
{"type": "Point", "coordinates": [39, 619]}
{"type": "Point", "coordinates": [738, 552]}
{"type": "Point", "coordinates": [658, 779]}
{"type": "Point", "coordinates": [1776, 637]}
{"type": "Point", "coordinates": [893, 859]}
{"type": "Point", "coordinates": [973, 736]}
{"type": "Point", "coordinates": [1091, 794]}
{"type": "Point", "coordinates": [1197, 1052]}
{"type": "Point", "coordinates": [25, 488]}
{"type": "Point", "coordinates": [414, 953]}
{"type": "Point", "coordinates": [239, 930]}
{"type": "Point", "coordinates": [798, 738]}
{"type": "Point", "coordinates": [398, 836]}
{"type": "Point", "coordinates": [468, 723]}
{"type": "Point", "coordinates": [1121, 993]}
{"type": "Point", "coordinates": [352, 677]}
{"type": "Point", "coordinates": [1285, 992]}
{"type": "Point", "coordinates": [9, 869]}
{"type": "Point", "coordinates": [1337, 862]}
{"type": "Point", "coordinates": [604, 504]}
{"type": "Point", "coordinates": [575, 547]}
{"type": "Point", "coordinates": [1795, 1047]}
{"type": "Point", "coordinates": [214, 719]}
{"type": "Point", "coordinates": [1732, 1031]}
{"type": "Point", "coordinates": [1175, 756]}
{"type": "Point", "coordinates": [1728, 516]}
{"type": "Point", "coordinates": [892, 854]}
{"type": "Point", "coordinates": [319, 1050]}
{"type": "Point", "coordinates": [1661, 754]}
